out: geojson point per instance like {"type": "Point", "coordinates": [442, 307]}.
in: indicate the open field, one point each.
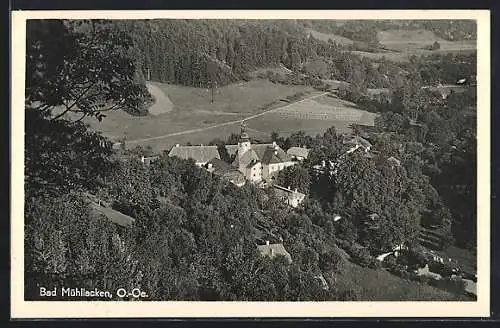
{"type": "Point", "coordinates": [198, 138]}
{"type": "Point", "coordinates": [313, 116]}
{"type": "Point", "coordinates": [405, 56]}
{"type": "Point", "coordinates": [193, 109]}
{"type": "Point", "coordinates": [380, 285]}
{"type": "Point", "coordinates": [326, 36]}
{"type": "Point", "coordinates": [243, 97]}
{"type": "Point", "coordinates": [262, 104]}
{"type": "Point", "coordinates": [407, 40]}
{"type": "Point", "coordinates": [402, 44]}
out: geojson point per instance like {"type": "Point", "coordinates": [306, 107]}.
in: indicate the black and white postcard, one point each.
{"type": "Point", "coordinates": [250, 164]}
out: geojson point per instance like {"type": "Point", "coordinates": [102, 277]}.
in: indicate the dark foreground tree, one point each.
{"type": "Point", "coordinates": [80, 67]}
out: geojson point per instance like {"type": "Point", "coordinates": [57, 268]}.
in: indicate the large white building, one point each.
{"type": "Point", "coordinates": [258, 162]}
{"type": "Point", "coordinates": [254, 162]}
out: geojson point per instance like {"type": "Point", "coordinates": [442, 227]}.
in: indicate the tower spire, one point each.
{"type": "Point", "coordinates": [244, 134]}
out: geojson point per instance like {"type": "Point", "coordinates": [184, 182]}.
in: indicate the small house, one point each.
{"type": "Point", "coordinates": [291, 197]}
{"type": "Point", "coordinates": [357, 142]}
{"type": "Point", "coordinates": [273, 250]}
{"type": "Point", "coordinates": [200, 154]}
{"type": "Point", "coordinates": [298, 153]}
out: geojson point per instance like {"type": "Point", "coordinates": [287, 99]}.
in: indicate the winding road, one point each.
{"type": "Point", "coordinates": [138, 141]}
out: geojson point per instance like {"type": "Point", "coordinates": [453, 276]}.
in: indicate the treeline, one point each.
{"type": "Point", "coordinates": [442, 135]}
{"type": "Point", "coordinates": [201, 52]}
{"type": "Point", "coordinates": [196, 52]}
{"type": "Point", "coordinates": [446, 69]}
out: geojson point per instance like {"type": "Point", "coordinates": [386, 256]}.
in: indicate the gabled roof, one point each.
{"type": "Point", "coordinates": [112, 215]}
{"type": "Point", "coordinates": [357, 140]}
{"type": "Point", "coordinates": [248, 157]}
{"type": "Point", "coordinates": [298, 152]}
{"type": "Point", "coordinates": [200, 154]}
{"type": "Point", "coordinates": [275, 155]}
{"type": "Point", "coordinates": [273, 250]}
{"type": "Point", "coordinates": [226, 171]}
{"type": "Point", "coordinates": [394, 161]}
{"type": "Point", "coordinates": [287, 190]}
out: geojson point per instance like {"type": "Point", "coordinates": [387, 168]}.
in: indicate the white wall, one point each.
{"type": "Point", "coordinates": [254, 173]}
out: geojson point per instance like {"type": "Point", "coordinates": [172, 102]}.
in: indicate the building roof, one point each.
{"type": "Point", "coordinates": [226, 171]}
{"type": "Point", "coordinates": [149, 159]}
{"type": "Point", "coordinates": [219, 166]}
{"type": "Point", "coordinates": [259, 149]}
{"type": "Point", "coordinates": [394, 161]}
{"type": "Point", "coordinates": [273, 250]}
{"type": "Point", "coordinates": [248, 157]}
{"type": "Point", "coordinates": [200, 154]}
{"type": "Point", "coordinates": [287, 190]}
{"type": "Point", "coordinates": [112, 215]}
{"type": "Point", "coordinates": [298, 152]}
{"type": "Point", "coordinates": [273, 155]}
{"type": "Point", "coordinates": [357, 140]}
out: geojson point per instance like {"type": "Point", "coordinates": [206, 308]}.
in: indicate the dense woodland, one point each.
{"type": "Point", "coordinates": [193, 237]}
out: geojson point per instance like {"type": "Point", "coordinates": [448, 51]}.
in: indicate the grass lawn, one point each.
{"type": "Point", "coordinates": [243, 97]}
{"type": "Point", "coordinates": [380, 285]}
{"type": "Point", "coordinates": [198, 138]}
{"type": "Point", "coordinates": [327, 36]}
{"type": "Point", "coordinates": [193, 109]}
{"type": "Point", "coordinates": [405, 56]}
{"type": "Point", "coordinates": [313, 116]}
{"type": "Point", "coordinates": [404, 43]}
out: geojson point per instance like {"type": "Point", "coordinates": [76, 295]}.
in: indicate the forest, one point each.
{"type": "Point", "coordinates": [193, 234]}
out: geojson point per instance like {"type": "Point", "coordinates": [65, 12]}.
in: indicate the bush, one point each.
{"type": "Point", "coordinates": [362, 257]}
{"type": "Point", "coordinates": [331, 261]}
{"type": "Point", "coordinates": [453, 285]}
{"type": "Point", "coordinates": [434, 46]}
{"type": "Point", "coordinates": [390, 262]}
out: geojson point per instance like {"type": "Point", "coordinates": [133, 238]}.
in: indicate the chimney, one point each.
{"type": "Point", "coordinates": [323, 163]}
{"type": "Point", "coordinates": [201, 145]}
{"type": "Point", "coordinates": [267, 242]}
{"type": "Point", "coordinates": [209, 166]}
{"type": "Point", "coordinates": [289, 187]}
{"type": "Point", "coordinates": [275, 152]}
{"type": "Point", "coordinates": [177, 145]}
{"type": "Point", "coordinates": [274, 144]}
{"type": "Point", "coordinates": [295, 190]}
{"type": "Point", "coordinates": [272, 252]}
{"type": "Point", "coordinates": [142, 159]}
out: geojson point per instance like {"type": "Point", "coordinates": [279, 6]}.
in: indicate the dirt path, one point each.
{"type": "Point", "coordinates": [137, 141]}
{"type": "Point", "coordinates": [162, 104]}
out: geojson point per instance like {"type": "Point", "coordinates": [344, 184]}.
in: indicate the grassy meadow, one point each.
{"type": "Point", "coordinates": [193, 118]}
{"type": "Point", "coordinates": [401, 44]}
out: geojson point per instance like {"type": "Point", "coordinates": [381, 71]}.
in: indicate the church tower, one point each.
{"type": "Point", "coordinates": [244, 142]}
